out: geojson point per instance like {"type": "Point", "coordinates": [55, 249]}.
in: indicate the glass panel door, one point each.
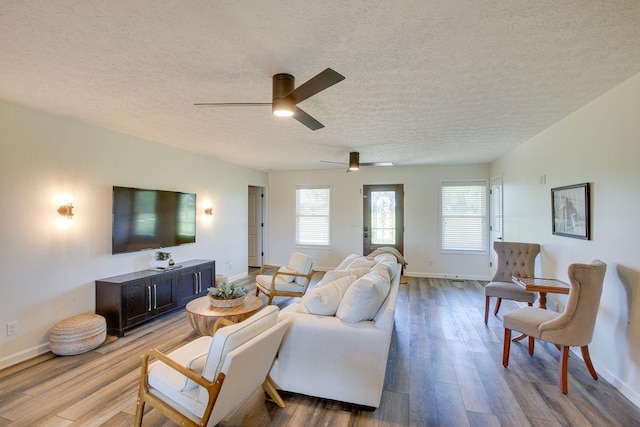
{"type": "Point", "coordinates": [383, 217]}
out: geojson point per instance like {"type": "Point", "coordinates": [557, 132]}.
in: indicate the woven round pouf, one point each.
{"type": "Point", "coordinates": [220, 278]}
{"type": "Point", "coordinates": [77, 334]}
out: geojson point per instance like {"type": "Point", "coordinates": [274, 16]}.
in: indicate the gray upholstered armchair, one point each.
{"type": "Point", "coordinates": [514, 259]}
{"type": "Point", "coordinates": [571, 328]}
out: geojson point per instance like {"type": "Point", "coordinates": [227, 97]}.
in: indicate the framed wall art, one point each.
{"type": "Point", "coordinates": [570, 209]}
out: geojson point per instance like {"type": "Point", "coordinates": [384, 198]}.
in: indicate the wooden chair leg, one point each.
{"type": "Point", "coordinates": [587, 361]}
{"type": "Point", "coordinates": [257, 291]}
{"type": "Point", "coordinates": [498, 302]}
{"type": "Point", "coordinates": [564, 362]}
{"type": "Point", "coordinates": [271, 390]}
{"type": "Point", "coordinates": [486, 309]}
{"type": "Point", "coordinates": [507, 347]}
{"type": "Point", "coordinates": [532, 342]}
{"type": "Point", "coordinates": [139, 412]}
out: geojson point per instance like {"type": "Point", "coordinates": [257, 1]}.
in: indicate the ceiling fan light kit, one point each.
{"type": "Point", "coordinates": [286, 96]}
{"type": "Point", "coordinates": [354, 161]}
{"type": "Point", "coordinates": [283, 84]}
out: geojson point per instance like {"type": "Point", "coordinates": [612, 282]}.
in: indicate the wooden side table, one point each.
{"type": "Point", "coordinates": [537, 284]}
{"type": "Point", "coordinates": [202, 316]}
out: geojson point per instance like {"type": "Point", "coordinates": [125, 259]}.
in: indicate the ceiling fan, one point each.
{"type": "Point", "coordinates": [286, 96]}
{"type": "Point", "coordinates": [354, 162]}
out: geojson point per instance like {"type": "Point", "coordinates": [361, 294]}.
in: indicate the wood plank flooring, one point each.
{"type": "Point", "coordinates": [444, 370]}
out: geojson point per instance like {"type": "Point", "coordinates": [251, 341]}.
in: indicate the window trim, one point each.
{"type": "Point", "coordinates": [485, 231]}
{"type": "Point", "coordinates": [295, 231]}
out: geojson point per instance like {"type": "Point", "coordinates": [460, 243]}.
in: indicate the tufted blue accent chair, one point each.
{"type": "Point", "coordinates": [514, 259]}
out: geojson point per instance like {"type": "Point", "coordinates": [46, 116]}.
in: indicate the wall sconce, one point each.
{"type": "Point", "coordinates": [66, 210]}
{"type": "Point", "coordinates": [208, 211]}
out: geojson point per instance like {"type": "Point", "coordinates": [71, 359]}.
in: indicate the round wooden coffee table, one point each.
{"type": "Point", "coordinates": [202, 316]}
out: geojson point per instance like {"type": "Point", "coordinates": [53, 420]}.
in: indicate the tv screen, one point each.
{"type": "Point", "coordinates": [152, 219]}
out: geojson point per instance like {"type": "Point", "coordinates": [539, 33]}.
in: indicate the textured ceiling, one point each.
{"type": "Point", "coordinates": [427, 81]}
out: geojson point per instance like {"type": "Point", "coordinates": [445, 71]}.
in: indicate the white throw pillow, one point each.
{"type": "Point", "coordinates": [324, 301]}
{"type": "Point", "coordinates": [363, 298]}
{"type": "Point", "coordinates": [345, 262]}
{"type": "Point", "coordinates": [332, 275]}
{"type": "Point", "coordinates": [361, 262]}
{"type": "Point", "coordinates": [383, 271]}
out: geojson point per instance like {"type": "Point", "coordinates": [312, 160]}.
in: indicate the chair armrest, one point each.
{"type": "Point", "coordinates": [220, 323]}
{"type": "Point", "coordinates": [173, 365]}
{"type": "Point", "coordinates": [268, 266]}
{"type": "Point", "coordinates": [144, 395]}
{"type": "Point", "coordinates": [295, 274]}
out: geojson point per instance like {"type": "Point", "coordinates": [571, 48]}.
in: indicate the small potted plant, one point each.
{"type": "Point", "coordinates": [227, 295]}
{"type": "Point", "coordinates": [163, 259]}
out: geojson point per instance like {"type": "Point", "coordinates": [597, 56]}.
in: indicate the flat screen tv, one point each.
{"type": "Point", "coordinates": [152, 219]}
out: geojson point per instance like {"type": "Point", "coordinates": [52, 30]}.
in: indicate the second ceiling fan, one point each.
{"type": "Point", "coordinates": [286, 96]}
{"type": "Point", "coordinates": [354, 162]}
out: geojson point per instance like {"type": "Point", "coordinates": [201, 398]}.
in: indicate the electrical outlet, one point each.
{"type": "Point", "coordinates": [12, 328]}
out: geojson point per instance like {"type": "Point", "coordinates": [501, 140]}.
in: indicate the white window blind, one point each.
{"type": "Point", "coordinates": [312, 215]}
{"type": "Point", "coordinates": [464, 216]}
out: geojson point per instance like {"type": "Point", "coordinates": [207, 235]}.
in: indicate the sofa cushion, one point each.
{"type": "Point", "coordinates": [324, 301]}
{"type": "Point", "coordinates": [332, 275]}
{"type": "Point", "coordinates": [363, 298]}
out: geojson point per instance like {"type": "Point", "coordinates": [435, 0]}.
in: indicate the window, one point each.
{"type": "Point", "coordinates": [464, 216]}
{"type": "Point", "coordinates": [312, 215]}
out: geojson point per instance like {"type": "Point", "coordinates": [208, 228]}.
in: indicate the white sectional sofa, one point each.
{"type": "Point", "coordinates": [341, 356]}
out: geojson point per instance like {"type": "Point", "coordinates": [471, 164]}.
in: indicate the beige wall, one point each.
{"type": "Point", "coordinates": [599, 144]}
{"type": "Point", "coordinates": [48, 271]}
{"type": "Point", "coordinates": [421, 207]}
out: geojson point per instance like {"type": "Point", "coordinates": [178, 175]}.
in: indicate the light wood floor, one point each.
{"type": "Point", "coordinates": [444, 369]}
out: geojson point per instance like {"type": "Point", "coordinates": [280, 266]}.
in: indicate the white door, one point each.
{"type": "Point", "coordinates": [496, 225]}
{"type": "Point", "coordinates": [255, 226]}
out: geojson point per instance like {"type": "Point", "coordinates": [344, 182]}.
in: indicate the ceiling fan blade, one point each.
{"type": "Point", "coordinates": [307, 120]}
{"type": "Point", "coordinates": [318, 83]}
{"type": "Point", "coordinates": [335, 163]}
{"type": "Point", "coordinates": [232, 104]}
{"type": "Point", "coordinates": [377, 164]}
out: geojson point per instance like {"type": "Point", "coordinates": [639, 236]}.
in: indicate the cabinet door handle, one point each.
{"type": "Point", "coordinates": [195, 283]}
{"type": "Point", "coordinates": [155, 297]}
{"type": "Point", "coordinates": [199, 281]}
{"type": "Point", "coordinates": [148, 298]}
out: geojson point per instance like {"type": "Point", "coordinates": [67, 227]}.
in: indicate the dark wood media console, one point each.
{"type": "Point", "coordinates": [131, 299]}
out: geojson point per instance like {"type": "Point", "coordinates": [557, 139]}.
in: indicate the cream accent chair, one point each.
{"type": "Point", "coordinates": [203, 381]}
{"type": "Point", "coordinates": [514, 259]}
{"type": "Point", "coordinates": [291, 280]}
{"type": "Point", "coordinates": [571, 328]}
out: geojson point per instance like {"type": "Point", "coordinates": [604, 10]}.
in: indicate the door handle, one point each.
{"type": "Point", "coordinates": [155, 297]}
{"type": "Point", "coordinates": [148, 298]}
{"type": "Point", "coordinates": [498, 238]}
{"type": "Point", "coordinates": [195, 283]}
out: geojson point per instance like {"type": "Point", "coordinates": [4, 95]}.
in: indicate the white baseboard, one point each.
{"type": "Point", "coordinates": [633, 396]}
{"type": "Point", "coordinates": [27, 354]}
